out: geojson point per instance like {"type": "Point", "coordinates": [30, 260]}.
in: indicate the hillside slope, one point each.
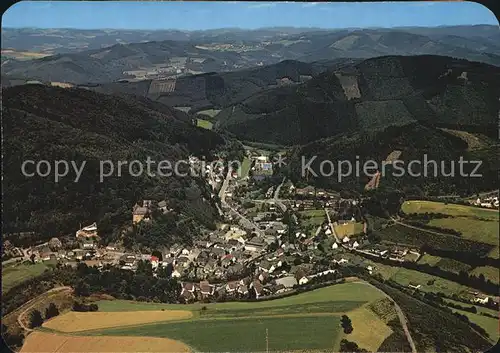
{"type": "Point", "coordinates": [44, 123]}
{"type": "Point", "coordinates": [370, 96]}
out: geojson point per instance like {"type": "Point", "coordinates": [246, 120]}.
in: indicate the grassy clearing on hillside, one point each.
{"type": "Point", "coordinates": [474, 141]}
{"type": "Point", "coordinates": [452, 265]}
{"type": "Point", "coordinates": [83, 321]}
{"type": "Point", "coordinates": [404, 276]}
{"type": "Point", "coordinates": [209, 112]}
{"type": "Point", "coordinates": [474, 229]}
{"type": "Point", "coordinates": [183, 109]}
{"type": "Point", "coordinates": [308, 332]}
{"type": "Point", "coordinates": [245, 167]}
{"type": "Point", "coordinates": [416, 237]}
{"type": "Point", "coordinates": [313, 218]}
{"type": "Point", "coordinates": [14, 274]}
{"type": "Point", "coordinates": [488, 323]}
{"type": "Point", "coordinates": [204, 124]}
{"type": "Point", "coordinates": [450, 209]}
{"type": "Point", "coordinates": [476, 224]}
{"type": "Point", "coordinates": [429, 259]}
{"type": "Point", "coordinates": [43, 342]}
{"type": "Point", "coordinates": [489, 272]}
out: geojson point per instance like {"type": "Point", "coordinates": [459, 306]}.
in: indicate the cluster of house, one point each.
{"type": "Point", "coordinates": [313, 193]}
{"type": "Point", "coordinates": [10, 250]}
{"type": "Point", "coordinates": [489, 202]}
{"type": "Point", "coordinates": [270, 278]}
{"type": "Point", "coordinates": [391, 252]}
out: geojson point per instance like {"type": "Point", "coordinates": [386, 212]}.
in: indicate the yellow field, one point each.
{"type": "Point", "coordinates": [349, 229]}
{"type": "Point", "coordinates": [369, 330]}
{"type": "Point", "coordinates": [78, 321]}
{"type": "Point", "coordinates": [41, 342]}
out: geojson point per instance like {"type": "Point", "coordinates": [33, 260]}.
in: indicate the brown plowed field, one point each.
{"type": "Point", "coordinates": [82, 321]}
{"type": "Point", "coordinates": [42, 342]}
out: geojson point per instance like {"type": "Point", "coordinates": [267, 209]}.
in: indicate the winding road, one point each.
{"type": "Point", "coordinates": [28, 305]}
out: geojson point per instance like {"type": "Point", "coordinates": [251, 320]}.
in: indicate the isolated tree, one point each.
{"type": "Point", "coordinates": [348, 346]}
{"type": "Point", "coordinates": [32, 258]}
{"type": "Point", "coordinates": [346, 324]}
{"type": "Point", "coordinates": [36, 319]}
{"type": "Point", "coordinates": [51, 311]}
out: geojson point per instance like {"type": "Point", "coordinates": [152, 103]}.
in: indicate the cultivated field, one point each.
{"type": "Point", "coordinates": [83, 321]}
{"type": "Point", "coordinates": [349, 229]}
{"type": "Point", "coordinates": [42, 342]}
{"type": "Point", "coordinates": [305, 321]}
{"type": "Point", "coordinates": [249, 334]}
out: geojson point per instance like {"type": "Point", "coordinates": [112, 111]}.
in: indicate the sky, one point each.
{"type": "Point", "coordinates": [248, 15]}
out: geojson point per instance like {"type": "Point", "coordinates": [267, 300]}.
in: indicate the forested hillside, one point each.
{"type": "Point", "coordinates": [42, 123]}
{"type": "Point", "coordinates": [370, 96]}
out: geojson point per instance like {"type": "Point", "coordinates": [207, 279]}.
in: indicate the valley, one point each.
{"type": "Point", "coordinates": [271, 188]}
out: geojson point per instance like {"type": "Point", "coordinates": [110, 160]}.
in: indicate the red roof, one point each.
{"type": "Point", "coordinates": [154, 258]}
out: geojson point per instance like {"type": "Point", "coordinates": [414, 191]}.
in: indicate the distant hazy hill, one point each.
{"type": "Point", "coordinates": [226, 50]}
{"type": "Point", "coordinates": [66, 40]}
{"type": "Point", "coordinates": [77, 125]}
{"type": "Point", "coordinates": [371, 96]}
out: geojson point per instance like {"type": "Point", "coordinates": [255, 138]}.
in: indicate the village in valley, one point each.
{"type": "Point", "coordinates": [272, 240]}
